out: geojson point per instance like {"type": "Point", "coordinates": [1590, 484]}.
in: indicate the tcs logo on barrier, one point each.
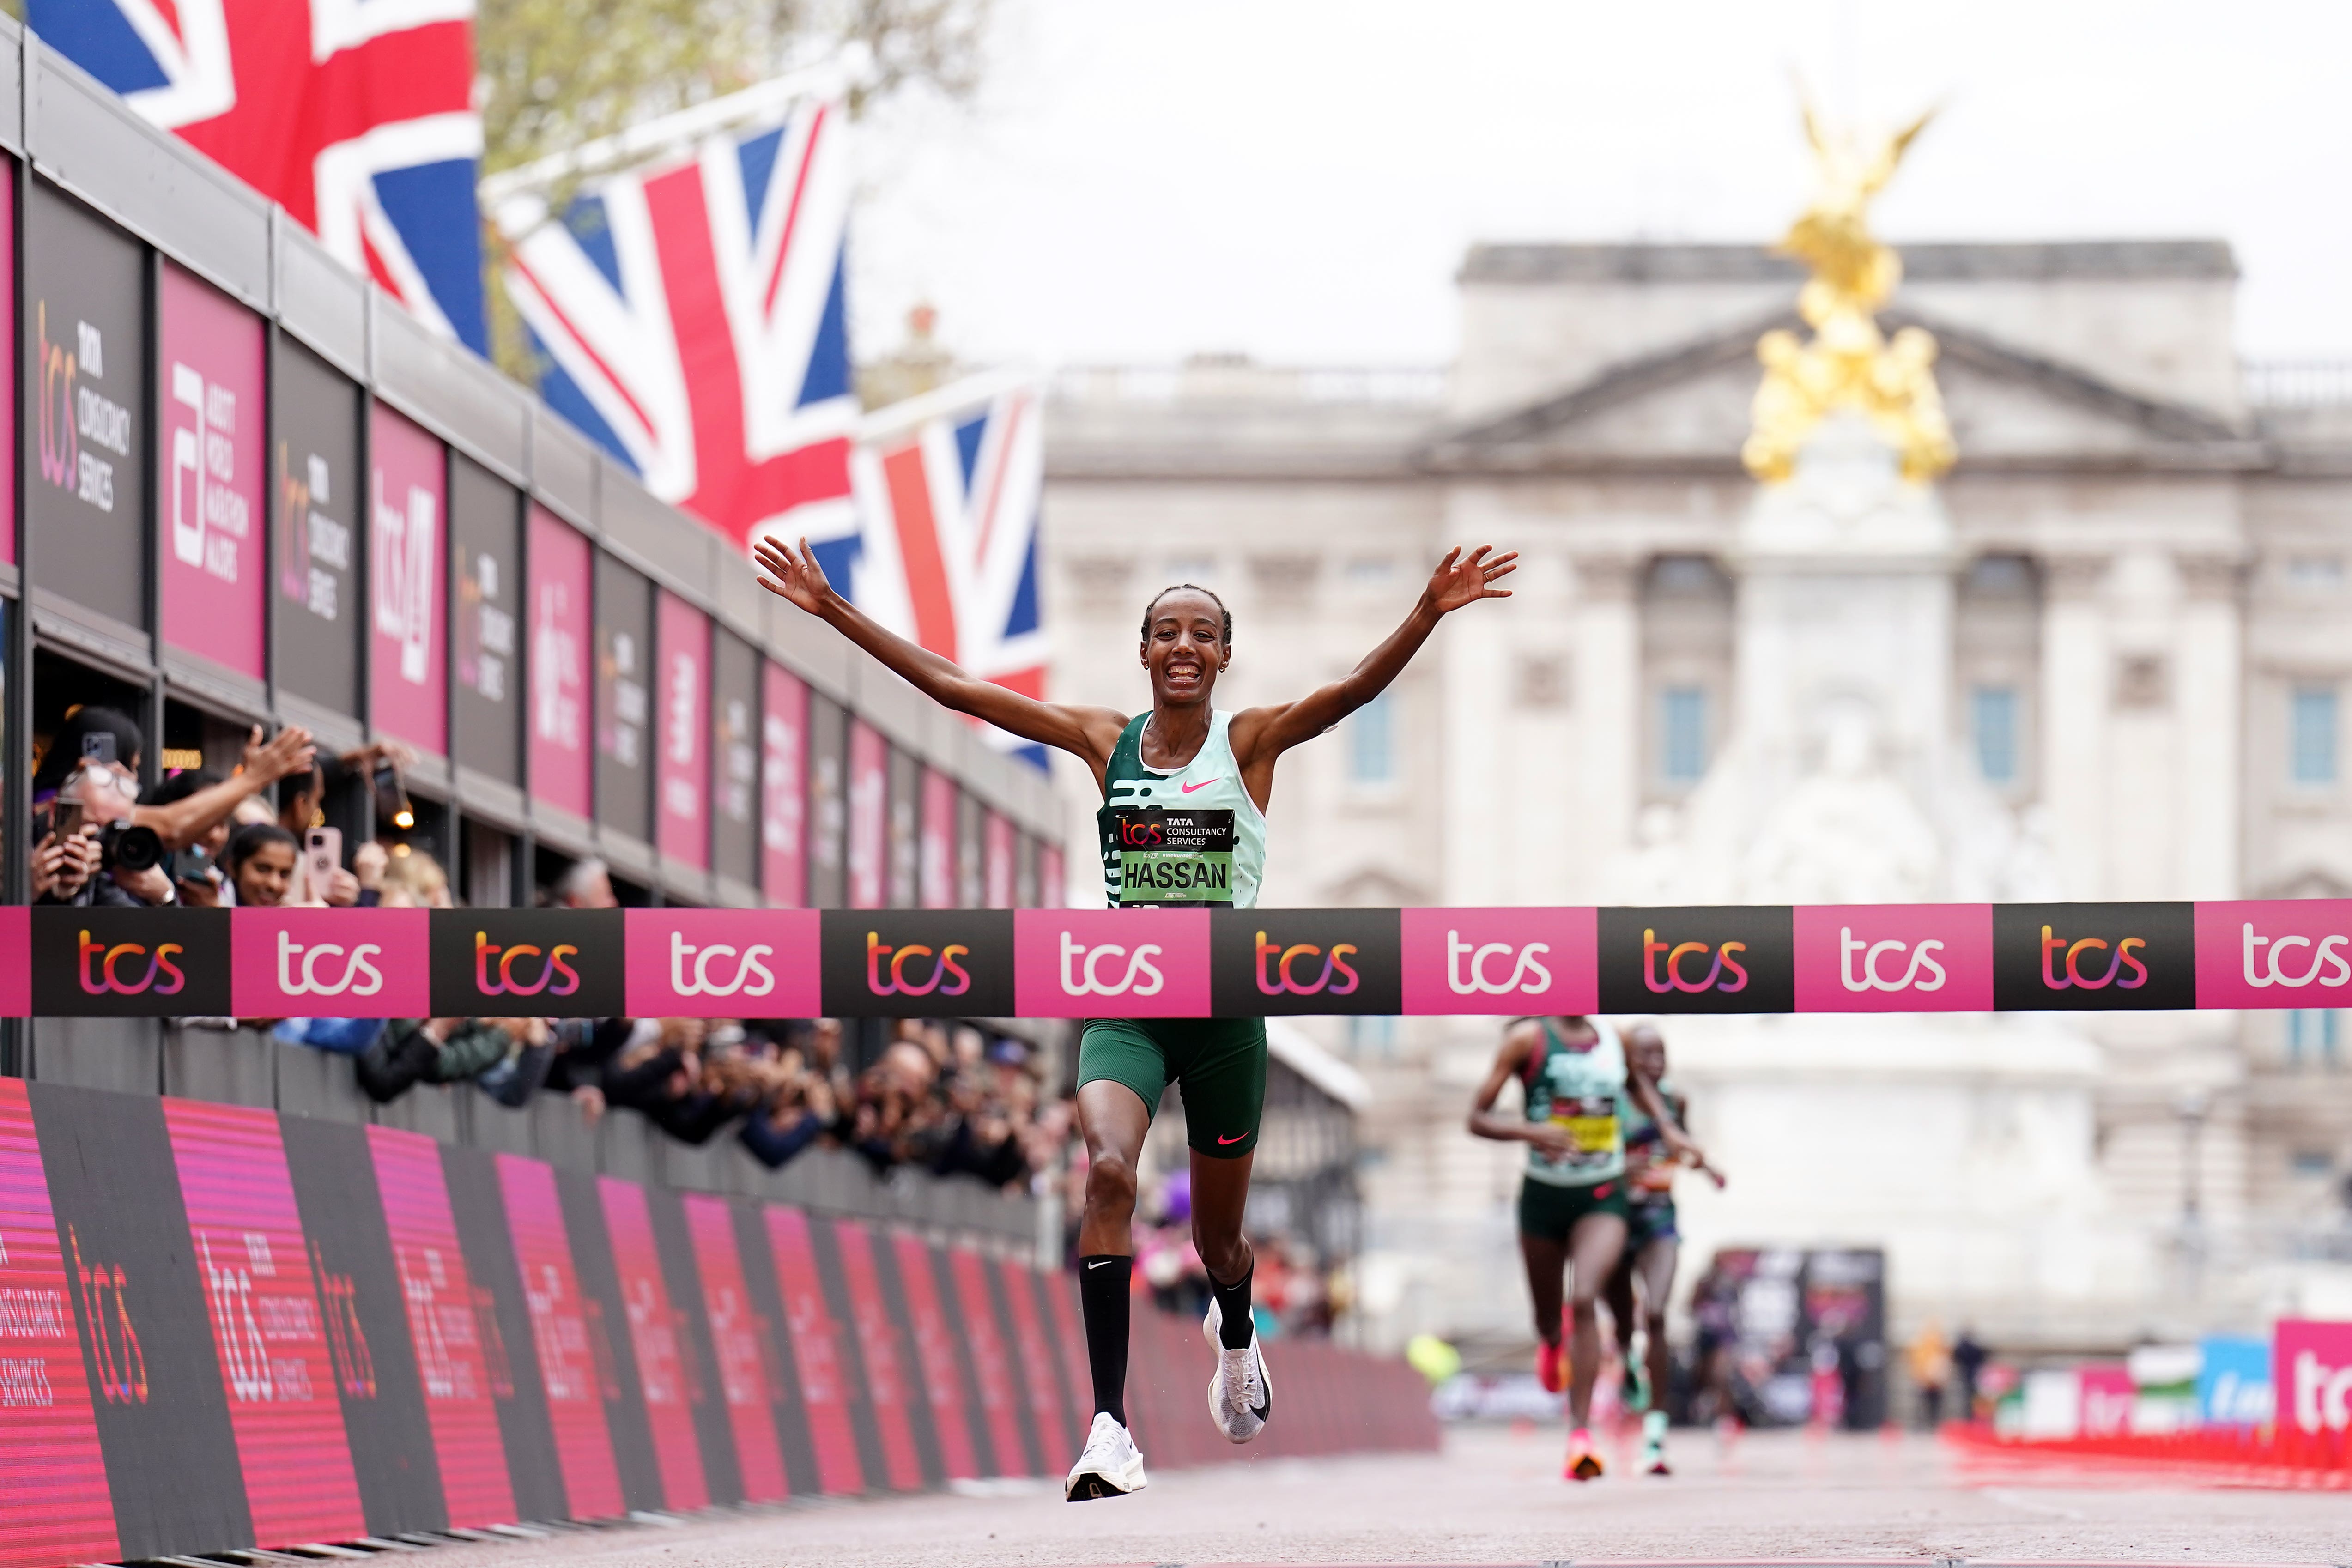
{"type": "Point", "coordinates": [1274, 977]}
{"type": "Point", "coordinates": [130, 963]}
{"type": "Point", "coordinates": [881, 959]}
{"type": "Point", "coordinates": [717, 963]}
{"type": "Point", "coordinates": [1503, 961]}
{"type": "Point", "coordinates": [1661, 977]}
{"type": "Point", "coordinates": [2094, 955]}
{"type": "Point", "coordinates": [1082, 963]}
{"type": "Point", "coordinates": [2273, 953]}
{"type": "Point", "coordinates": [331, 963]}
{"type": "Point", "coordinates": [99, 977]}
{"type": "Point", "coordinates": [1734, 960]}
{"type": "Point", "coordinates": [528, 963]}
{"type": "Point", "coordinates": [914, 963]}
{"type": "Point", "coordinates": [1894, 957]}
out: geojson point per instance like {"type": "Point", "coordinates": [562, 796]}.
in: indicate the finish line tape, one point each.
{"type": "Point", "coordinates": [1173, 963]}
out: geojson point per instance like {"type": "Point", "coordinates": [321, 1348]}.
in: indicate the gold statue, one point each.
{"type": "Point", "coordinates": [1848, 364]}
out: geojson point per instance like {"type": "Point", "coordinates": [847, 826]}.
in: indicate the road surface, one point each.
{"type": "Point", "coordinates": [1493, 1496]}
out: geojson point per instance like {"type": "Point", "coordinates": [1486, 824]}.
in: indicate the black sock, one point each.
{"type": "Point", "coordinates": [1233, 1308]}
{"type": "Point", "coordinates": [1102, 1295]}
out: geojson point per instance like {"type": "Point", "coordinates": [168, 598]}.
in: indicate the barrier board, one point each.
{"type": "Point", "coordinates": [1180, 962]}
{"type": "Point", "coordinates": [224, 1328]}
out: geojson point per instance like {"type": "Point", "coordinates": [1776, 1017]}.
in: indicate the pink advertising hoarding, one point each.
{"type": "Point", "coordinates": [682, 732]}
{"type": "Point", "coordinates": [210, 470]}
{"type": "Point", "coordinates": [1509, 961]}
{"type": "Point", "coordinates": [783, 788]}
{"type": "Point", "coordinates": [2274, 953]}
{"type": "Point", "coordinates": [722, 963]}
{"type": "Point", "coordinates": [1102, 963]}
{"type": "Point", "coordinates": [562, 766]}
{"type": "Point", "coordinates": [939, 840]}
{"type": "Point", "coordinates": [408, 507]}
{"type": "Point", "coordinates": [869, 815]}
{"type": "Point", "coordinates": [2311, 1379]}
{"type": "Point", "coordinates": [998, 863]}
{"type": "Point", "coordinates": [1894, 957]}
{"type": "Point", "coordinates": [329, 963]}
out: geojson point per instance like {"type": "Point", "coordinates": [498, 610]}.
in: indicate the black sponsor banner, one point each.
{"type": "Point", "coordinates": [523, 962]}
{"type": "Point", "coordinates": [314, 511]}
{"type": "Point", "coordinates": [826, 1248]}
{"type": "Point", "coordinates": [777, 1358]}
{"type": "Point", "coordinates": [1305, 961]}
{"type": "Point", "coordinates": [147, 1340]}
{"type": "Point", "coordinates": [502, 1322]}
{"type": "Point", "coordinates": [485, 611]}
{"type": "Point", "coordinates": [1737, 958]}
{"type": "Point", "coordinates": [723, 1471]}
{"type": "Point", "coordinates": [918, 963]}
{"type": "Point", "coordinates": [2094, 956]}
{"type": "Point", "coordinates": [366, 1320]}
{"type": "Point", "coordinates": [624, 735]}
{"type": "Point", "coordinates": [129, 963]}
{"type": "Point", "coordinates": [923, 1418]}
{"type": "Point", "coordinates": [608, 1336]}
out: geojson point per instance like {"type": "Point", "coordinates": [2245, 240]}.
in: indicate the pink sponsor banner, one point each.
{"type": "Point", "coordinates": [453, 1363]}
{"type": "Point", "coordinates": [887, 1389]}
{"type": "Point", "coordinates": [2311, 1380]}
{"type": "Point", "coordinates": [784, 787]}
{"type": "Point", "coordinates": [816, 1353]}
{"type": "Point", "coordinates": [559, 1332]}
{"type": "Point", "coordinates": [2108, 1394]}
{"type": "Point", "coordinates": [1053, 886]}
{"type": "Point", "coordinates": [1893, 958]}
{"type": "Point", "coordinates": [997, 862]}
{"type": "Point", "coordinates": [735, 1332]}
{"type": "Point", "coordinates": [329, 963]}
{"type": "Point", "coordinates": [254, 1265]}
{"type": "Point", "coordinates": [935, 1356]}
{"type": "Point", "coordinates": [8, 384]}
{"type": "Point", "coordinates": [16, 955]}
{"type": "Point", "coordinates": [408, 511]}
{"type": "Point", "coordinates": [992, 1361]}
{"type": "Point", "coordinates": [1508, 961]}
{"type": "Point", "coordinates": [562, 766]}
{"type": "Point", "coordinates": [869, 815]}
{"type": "Point", "coordinates": [1110, 963]}
{"type": "Point", "coordinates": [2274, 953]}
{"type": "Point", "coordinates": [939, 840]}
{"type": "Point", "coordinates": [662, 1371]}
{"type": "Point", "coordinates": [55, 1506]}
{"type": "Point", "coordinates": [210, 468]}
{"type": "Point", "coordinates": [682, 732]}
{"type": "Point", "coordinates": [722, 963]}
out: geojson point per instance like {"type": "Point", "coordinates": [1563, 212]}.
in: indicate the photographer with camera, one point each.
{"type": "Point", "coordinates": [94, 851]}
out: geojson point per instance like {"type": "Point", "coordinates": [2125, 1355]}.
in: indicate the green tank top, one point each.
{"type": "Point", "coordinates": [1187, 840]}
{"type": "Point", "coordinates": [1583, 1091]}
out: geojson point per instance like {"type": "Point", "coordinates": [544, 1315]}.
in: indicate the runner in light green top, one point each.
{"type": "Point", "coordinates": [1185, 789]}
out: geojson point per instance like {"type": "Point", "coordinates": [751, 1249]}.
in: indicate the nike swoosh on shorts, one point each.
{"type": "Point", "coordinates": [1236, 1138]}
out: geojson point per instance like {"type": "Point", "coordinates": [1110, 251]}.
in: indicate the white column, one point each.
{"type": "Point", "coordinates": [2074, 750]}
{"type": "Point", "coordinates": [2210, 676]}
{"type": "Point", "coordinates": [1605, 700]}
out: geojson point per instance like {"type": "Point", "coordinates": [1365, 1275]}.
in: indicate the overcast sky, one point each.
{"type": "Point", "coordinates": [1299, 179]}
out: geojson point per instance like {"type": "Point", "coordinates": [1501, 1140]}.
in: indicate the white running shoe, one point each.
{"type": "Point", "coordinates": [1110, 1465]}
{"type": "Point", "coordinates": [1241, 1394]}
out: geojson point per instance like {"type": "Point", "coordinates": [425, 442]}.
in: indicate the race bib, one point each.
{"type": "Point", "coordinates": [1173, 857]}
{"type": "Point", "coordinates": [1590, 1125]}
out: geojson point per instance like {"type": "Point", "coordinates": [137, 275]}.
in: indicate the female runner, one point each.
{"type": "Point", "coordinates": [1186, 787]}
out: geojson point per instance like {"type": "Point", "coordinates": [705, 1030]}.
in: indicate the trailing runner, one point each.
{"type": "Point", "coordinates": [1186, 787]}
{"type": "Point", "coordinates": [1577, 1088]}
{"type": "Point", "coordinates": [1652, 1245]}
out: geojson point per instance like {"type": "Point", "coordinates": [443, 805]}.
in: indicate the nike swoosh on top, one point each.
{"type": "Point", "coordinates": [1204, 784]}
{"type": "Point", "coordinates": [1236, 1138]}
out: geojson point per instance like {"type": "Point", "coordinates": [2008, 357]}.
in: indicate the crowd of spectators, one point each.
{"type": "Point", "coordinates": [941, 1096]}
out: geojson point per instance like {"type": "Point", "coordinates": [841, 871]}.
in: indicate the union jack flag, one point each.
{"type": "Point", "coordinates": [943, 549]}
{"type": "Point", "coordinates": [354, 115]}
{"type": "Point", "coordinates": [689, 317]}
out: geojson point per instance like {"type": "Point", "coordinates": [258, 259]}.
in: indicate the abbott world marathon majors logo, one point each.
{"type": "Point", "coordinates": [1894, 957]}
{"type": "Point", "coordinates": [1265, 961]}
{"type": "Point", "coordinates": [2086, 957]}
{"type": "Point", "coordinates": [1735, 959]}
{"type": "Point", "coordinates": [1500, 961]}
{"type": "Point", "coordinates": [332, 963]}
{"type": "Point", "coordinates": [1112, 963]}
{"type": "Point", "coordinates": [918, 963]}
{"type": "Point", "coordinates": [528, 963]}
{"type": "Point", "coordinates": [2274, 953]}
{"type": "Point", "coordinates": [129, 963]}
{"type": "Point", "coordinates": [723, 963]}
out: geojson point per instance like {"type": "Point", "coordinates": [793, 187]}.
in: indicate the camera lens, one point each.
{"type": "Point", "coordinates": [130, 847]}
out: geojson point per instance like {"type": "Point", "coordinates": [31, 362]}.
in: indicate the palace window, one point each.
{"type": "Point", "coordinates": [1992, 716]}
{"type": "Point", "coordinates": [1371, 741]}
{"type": "Point", "coordinates": [2311, 735]}
{"type": "Point", "coordinates": [1682, 734]}
{"type": "Point", "coordinates": [2313, 1036]}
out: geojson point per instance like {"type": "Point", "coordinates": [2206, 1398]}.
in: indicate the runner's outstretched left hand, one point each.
{"type": "Point", "coordinates": [1458, 581]}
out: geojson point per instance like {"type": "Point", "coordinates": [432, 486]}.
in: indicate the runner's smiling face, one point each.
{"type": "Point", "coordinates": [1185, 648]}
